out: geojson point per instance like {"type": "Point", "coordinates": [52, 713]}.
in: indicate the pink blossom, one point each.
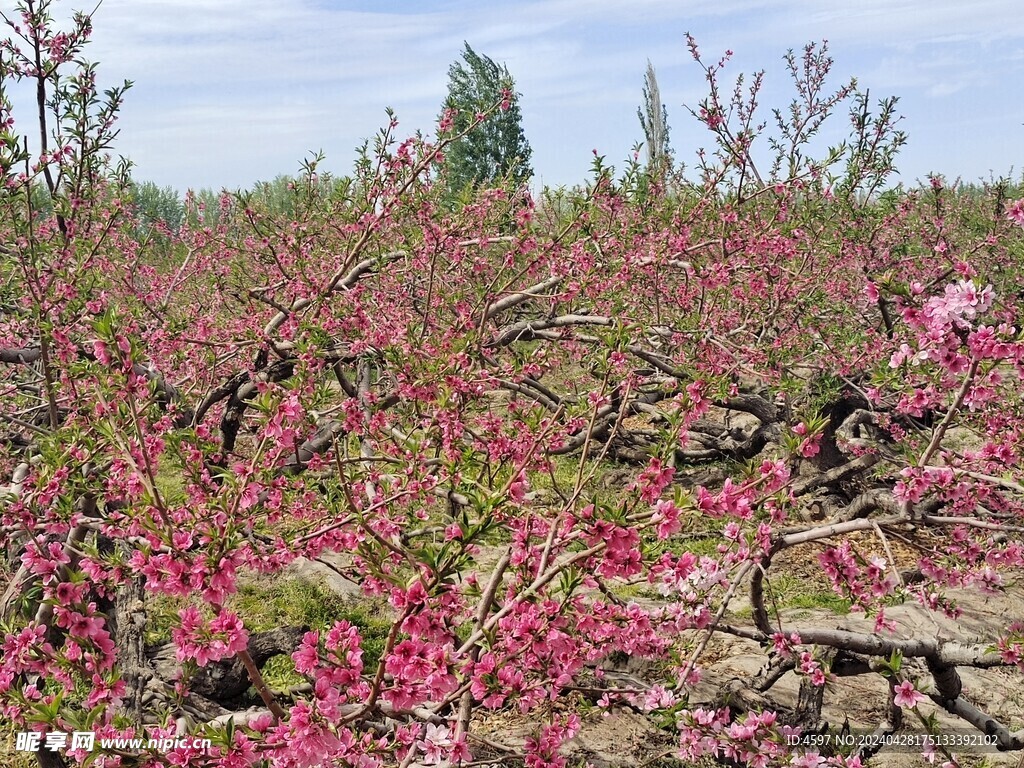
{"type": "Point", "coordinates": [1016, 212]}
{"type": "Point", "coordinates": [666, 516]}
{"type": "Point", "coordinates": [907, 696]}
{"type": "Point", "coordinates": [436, 744]}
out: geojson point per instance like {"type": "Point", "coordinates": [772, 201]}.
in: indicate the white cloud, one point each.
{"type": "Point", "coordinates": [229, 91]}
{"type": "Point", "coordinates": [911, 22]}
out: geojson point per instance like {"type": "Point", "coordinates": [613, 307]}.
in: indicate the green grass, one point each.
{"type": "Point", "coordinates": [792, 591]}
{"type": "Point", "coordinates": [161, 614]}
{"type": "Point", "coordinates": [698, 544]}
{"type": "Point", "coordinates": [827, 600]}
{"type": "Point", "coordinates": [641, 589]}
{"type": "Point", "coordinates": [788, 591]}
{"type": "Point", "coordinates": [304, 603]}
{"type": "Point", "coordinates": [297, 602]}
{"type": "Point", "coordinates": [566, 471]}
{"type": "Point", "coordinates": [170, 483]}
{"type": "Point", "coordinates": [279, 673]}
{"type": "Point", "coordinates": [266, 604]}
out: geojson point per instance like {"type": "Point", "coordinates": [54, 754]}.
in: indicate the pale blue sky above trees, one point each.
{"type": "Point", "coordinates": [228, 92]}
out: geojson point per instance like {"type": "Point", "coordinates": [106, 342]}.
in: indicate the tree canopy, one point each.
{"type": "Point", "coordinates": [654, 120]}
{"type": "Point", "coordinates": [496, 150]}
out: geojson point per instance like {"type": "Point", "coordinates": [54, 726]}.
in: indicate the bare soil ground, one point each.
{"type": "Point", "coordinates": [628, 738]}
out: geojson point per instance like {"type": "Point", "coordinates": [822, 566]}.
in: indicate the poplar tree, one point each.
{"type": "Point", "coordinates": [496, 150]}
{"type": "Point", "coordinates": [654, 119]}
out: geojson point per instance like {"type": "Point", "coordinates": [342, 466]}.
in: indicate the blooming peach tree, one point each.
{"type": "Point", "coordinates": [507, 420]}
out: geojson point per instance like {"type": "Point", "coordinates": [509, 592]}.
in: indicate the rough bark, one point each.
{"type": "Point", "coordinates": [227, 679]}
{"type": "Point", "coordinates": [129, 622]}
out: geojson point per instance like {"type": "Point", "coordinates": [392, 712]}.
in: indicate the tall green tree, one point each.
{"type": "Point", "coordinates": [654, 119]}
{"type": "Point", "coordinates": [154, 203]}
{"type": "Point", "coordinates": [496, 150]}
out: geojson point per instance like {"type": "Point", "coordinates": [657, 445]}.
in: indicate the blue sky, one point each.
{"type": "Point", "coordinates": [228, 92]}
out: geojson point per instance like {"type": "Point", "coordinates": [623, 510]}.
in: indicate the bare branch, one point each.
{"type": "Point", "coordinates": [514, 299]}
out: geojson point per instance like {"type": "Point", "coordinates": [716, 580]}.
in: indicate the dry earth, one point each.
{"type": "Point", "coordinates": [627, 738]}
